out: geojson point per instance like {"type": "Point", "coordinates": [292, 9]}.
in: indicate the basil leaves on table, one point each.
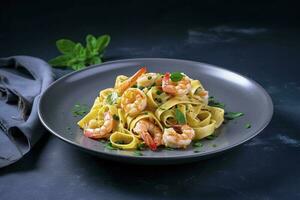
{"type": "Point", "coordinates": [76, 56]}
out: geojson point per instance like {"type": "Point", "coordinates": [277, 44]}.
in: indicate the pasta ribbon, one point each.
{"type": "Point", "coordinates": [202, 132]}
{"type": "Point", "coordinates": [174, 101]}
{"type": "Point", "coordinates": [123, 140]}
{"type": "Point", "coordinates": [85, 120]}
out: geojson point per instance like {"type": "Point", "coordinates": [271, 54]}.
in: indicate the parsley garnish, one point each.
{"type": "Point", "coordinates": [110, 146]}
{"type": "Point", "coordinates": [141, 146]}
{"type": "Point", "coordinates": [112, 98]}
{"type": "Point", "coordinates": [176, 76]}
{"type": "Point", "coordinates": [158, 92]}
{"type": "Point", "coordinates": [116, 117]}
{"type": "Point", "coordinates": [211, 137]}
{"type": "Point", "coordinates": [149, 77]}
{"type": "Point", "coordinates": [80, 110]}
{"type": "Point", "coordinates": [232, 115]}
{"type": "Point", "coordinates": [179, 116]}
{"type": "Point", "coordinates": [197, 144]}
{"type": "Point", "coordinates": [247, 125]}
{"type": "Point", "coordinates": [68, 129]}
{"type": "Point", "coordinates": [169, 148]}
{"type": "Point", "coordinates": [137, 153]}
{"type": "Point", "coordinates": [214, 103]}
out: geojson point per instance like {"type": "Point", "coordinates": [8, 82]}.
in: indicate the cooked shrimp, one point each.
{"type": "Point", "coordinates": [150, 133]}
{"type": "Point", "coordinates": [179, 88]}
{"type": "Point", "coordinates": [133, 101]}
{"type": "Point", "coordinates": [203, 94]}
{"type": "Point", "coordinates": [101, 132]}
{"type": "Point", "coordinates": [149, 79]}
{"type": "Point", "coordinates": [131, 81]}
{"type": "Point", "coordinates": [173, 139]}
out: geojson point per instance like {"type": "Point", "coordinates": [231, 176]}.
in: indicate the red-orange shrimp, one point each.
{"type": "Point", "coordinates": [131, 81]}
{"type": "Point", "coordinates": [150, 133]}
{"type": "Point", "coordinates": [172, 138]}
{"type": "Point", "coordinates": [179, 88]}
{"type": "Point", "coordinates": [102, 132]}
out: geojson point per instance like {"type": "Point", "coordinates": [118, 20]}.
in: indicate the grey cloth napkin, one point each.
{"type": "Point", "coordinates": [22, 80]}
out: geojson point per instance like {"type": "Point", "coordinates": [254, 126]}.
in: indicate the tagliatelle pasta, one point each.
{"type": "Point", "coordinates": [156, 109]}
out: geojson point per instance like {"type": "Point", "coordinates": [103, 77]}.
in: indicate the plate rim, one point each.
{"type": "Point", "coordinates": [173, 157]}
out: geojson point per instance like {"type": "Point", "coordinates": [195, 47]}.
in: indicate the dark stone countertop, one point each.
{"type": "Point", "coordinates": [267, 167]}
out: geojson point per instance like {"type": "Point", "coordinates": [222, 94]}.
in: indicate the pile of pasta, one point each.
{"type": "Point", "coordinates": [161, 109]}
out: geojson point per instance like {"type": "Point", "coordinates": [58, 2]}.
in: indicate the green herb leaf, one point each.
{"type": "Point", "coordinates": [247, 125]}
{"type": "Point", "coordinates": [94, 60]}
{"type": "Point", "coordinates": [60, 61]}
{"type": "Point", "coordinates": [232, 115]}
{"type": "Point", "coordinates": [91, 42]}
{"type": "Point", "coordinates": [78, 65]}
{"type": "Point", "coordinates": [141, 146]}
{"type": "Point", "coordinates": [169, 149]}
{"type": "Point", "coordinates": [158, 92]}
{"type": "Point", "coordinates": [116, 117]}
{"type": "Point", "coordinates": [214, 103]}
{"type": "Point", "coordinates": [112, 98]}
{"type": "Point", "coordinates": [102, 42]}
{"type": "Point", "coordinates": [76, 56]}
{"type": "Point", "coordinates": [65, 46]}
{"type": "Point", "coordinates": [68, 130]}
{"type": "Point", "coordinates": [176, 76]}
{"type": "Point", "coordinates": [211, 137]}
{"type": "Point", "coordinates": [80, 110]}
{"type": "Point", "coordinates": [110, 146]}
{"type": "Point", "coordinates": [137, 153]}
{"type": "Point", "coordinates": [179, 116]}
{"type": "Point", "coordinates": [197, 144]}
{"type": "Point", "coordinates": [79, 52]}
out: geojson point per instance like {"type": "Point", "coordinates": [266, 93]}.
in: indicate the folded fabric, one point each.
{"type": "Point", "coordinates": [22, 81]}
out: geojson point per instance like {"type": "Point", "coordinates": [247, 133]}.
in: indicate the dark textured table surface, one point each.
{"type": "Point", "coordinates": [264, 47]}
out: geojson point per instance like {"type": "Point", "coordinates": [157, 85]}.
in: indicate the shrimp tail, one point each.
{"type": "Point", "coordinates": [149, 141]}
{"type": "Point", "coordinates": [167, 76]}
{"type": "Point", "coordinates": [131, 81]}
{"type": "Point", "coordinates": [90, 134]}
{"type": "Point", "coordinates": [177, 128]}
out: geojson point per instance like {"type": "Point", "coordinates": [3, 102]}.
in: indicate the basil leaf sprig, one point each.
{"type": "Point", "coordinates": [112, 98]}
{"type": "Point", "coordinates": [76, 57]}
{"type": "Point", "coordinates": [176, 76]}
{"type": "Point", "coordinates": [180, 116]}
